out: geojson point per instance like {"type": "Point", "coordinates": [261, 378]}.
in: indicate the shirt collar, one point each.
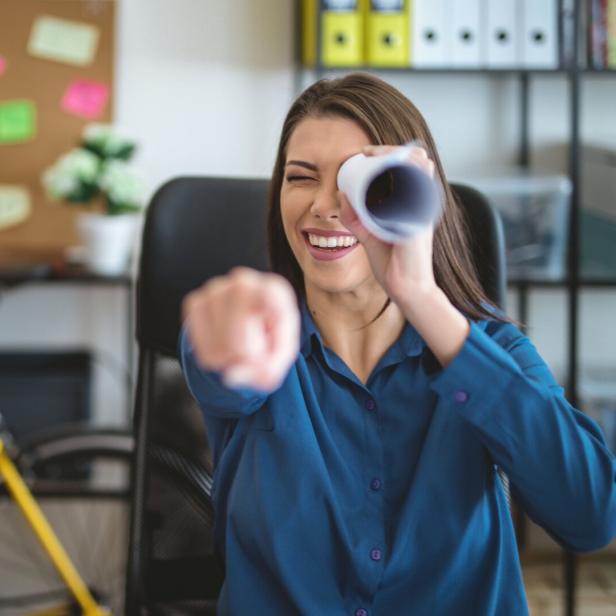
{"type": "Point", "coordinates": [309, 329]}
{"type": "Point", "coordinates": [410, 343]}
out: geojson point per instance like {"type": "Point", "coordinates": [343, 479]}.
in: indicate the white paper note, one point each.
{"type": "Point", "coordinates": [14, 205]}
{"type": "Point", "coordinates": [71, 42]}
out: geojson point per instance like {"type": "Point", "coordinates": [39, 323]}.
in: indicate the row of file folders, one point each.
{"type": "Point", "coordinates": [431, 33]}
{"type": "Point", "coordinates": [601, 33]}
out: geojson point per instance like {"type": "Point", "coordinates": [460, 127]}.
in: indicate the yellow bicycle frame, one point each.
{"type": "Point", "coordinates": [45, 534]}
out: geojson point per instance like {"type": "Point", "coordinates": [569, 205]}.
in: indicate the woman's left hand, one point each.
{"type": "Point", "coordinates": [404, 269]}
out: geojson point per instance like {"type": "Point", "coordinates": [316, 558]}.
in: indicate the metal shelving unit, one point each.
{"type": "Point", "coordinates": [573, 72]}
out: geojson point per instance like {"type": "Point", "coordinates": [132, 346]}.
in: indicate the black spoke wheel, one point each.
{"type": "Point", "coordinates": [80, 477]}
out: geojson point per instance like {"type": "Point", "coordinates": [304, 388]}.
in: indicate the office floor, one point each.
{"type": "Point", "coordinates": [596, 591]}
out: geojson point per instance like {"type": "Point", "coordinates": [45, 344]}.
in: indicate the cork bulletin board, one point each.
{"type": "Point", "coordinates": [56, 76]}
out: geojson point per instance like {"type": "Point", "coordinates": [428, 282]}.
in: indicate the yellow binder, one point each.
{"type": "Point", "coordinates": [309, 32]}
{"type": "Point", "coordinates": [341, 29]}
{"type": "Point", "coordinates": [387, 33]}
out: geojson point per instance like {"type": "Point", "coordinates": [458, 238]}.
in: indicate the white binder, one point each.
{"type": "Point", "coordinates": [501, 33]}
{"type": "Point", "coordinates": [539, 33]}
{"type": "Point", "coordinates": [428, 33]}
{"type": "Point", "coordinates": [462, 33]}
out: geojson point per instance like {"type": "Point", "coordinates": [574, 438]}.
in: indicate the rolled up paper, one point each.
{"type": "Point", "coordinates": [393, 198]}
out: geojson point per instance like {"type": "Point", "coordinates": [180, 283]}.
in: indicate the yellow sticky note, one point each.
{"type": "Point", "coordinates": [71, 42]}
{"type": "Point", "coordinates": [14, 205]}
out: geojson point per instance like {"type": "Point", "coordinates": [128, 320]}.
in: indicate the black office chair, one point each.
{"type": "Point", "coordinates": [197, 228]}
{"type": "Point", "coordinates": [486, 242]}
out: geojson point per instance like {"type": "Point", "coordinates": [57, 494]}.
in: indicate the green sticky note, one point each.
{"type": "Point", "coordinates": [17, 121]}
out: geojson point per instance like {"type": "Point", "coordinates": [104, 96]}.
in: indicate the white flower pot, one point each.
{"type": "Point", "coordinates": [108, 241]}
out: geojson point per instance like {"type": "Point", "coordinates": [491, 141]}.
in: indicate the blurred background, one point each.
{"type": "Point", "coordinates": [156, 89]}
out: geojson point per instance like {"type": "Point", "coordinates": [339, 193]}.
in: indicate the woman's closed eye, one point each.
{"type": "Point", "coordinates": [300, 178]}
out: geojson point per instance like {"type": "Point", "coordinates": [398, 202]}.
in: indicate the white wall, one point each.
{"type": "Point", "coordinates": [204, 87]}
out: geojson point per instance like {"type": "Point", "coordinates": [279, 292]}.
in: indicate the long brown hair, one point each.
{"type": "Point", "coordinates": [389, 118]}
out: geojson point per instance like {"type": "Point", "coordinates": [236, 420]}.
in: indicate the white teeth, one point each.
{"type": "Point", "coordinates": [331, 242]}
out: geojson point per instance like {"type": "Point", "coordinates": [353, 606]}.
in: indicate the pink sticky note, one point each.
{"type": "Point", "coordinates": [3, 64]}
{"type": "Point", "coordinates": [85, 98]}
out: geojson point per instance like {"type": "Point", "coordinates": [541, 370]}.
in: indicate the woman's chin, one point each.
{"type": "Point", "coordinates": [332, 283]}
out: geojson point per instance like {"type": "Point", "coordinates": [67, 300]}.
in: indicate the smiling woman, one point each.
{"type": "Point", "coordinates": [360, 398]}
{"type": "Point", "coordinates": [316, 127]}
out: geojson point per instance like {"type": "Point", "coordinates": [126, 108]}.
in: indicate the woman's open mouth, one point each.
{"type": "Point", "coordinates": [329, 253]}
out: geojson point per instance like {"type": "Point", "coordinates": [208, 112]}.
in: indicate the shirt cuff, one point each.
{"type": "Point", "coordinates": [477, 377]}
{"type": "Point", "coordinates": [207, 386]}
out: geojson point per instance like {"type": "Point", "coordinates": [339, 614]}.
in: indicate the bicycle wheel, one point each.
{"type": "Point", "coordinates": [88, 508]}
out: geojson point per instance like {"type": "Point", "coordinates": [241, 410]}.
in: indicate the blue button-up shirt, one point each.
{"type": "Point", "coordinates": [339, 498]}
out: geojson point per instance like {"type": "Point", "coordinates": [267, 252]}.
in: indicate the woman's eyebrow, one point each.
{"type": "Point", "coordinates": [302, 163]}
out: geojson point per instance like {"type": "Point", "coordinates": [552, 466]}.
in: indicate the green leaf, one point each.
{"type": "Point", "coordinates": [115, 208]}
{"type": "Point", "coordinates": [84, 193]}
{"type": "Point", "coordinates": [125, 153]}
{"type": "Point", "coordinates": [94, 149]}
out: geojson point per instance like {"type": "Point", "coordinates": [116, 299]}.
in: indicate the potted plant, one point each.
{"type": "Point", "coordinates": [97, 175]}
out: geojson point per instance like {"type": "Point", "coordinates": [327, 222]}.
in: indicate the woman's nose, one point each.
{"type": "Point", "coordinates": [326, 205]}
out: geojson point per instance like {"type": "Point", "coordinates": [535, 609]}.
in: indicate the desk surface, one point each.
{"type": "Point", "coordinates": [16, 273]}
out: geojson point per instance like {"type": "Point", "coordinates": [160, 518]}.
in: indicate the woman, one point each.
{"type": "Point", "coordinates": [360, 398]}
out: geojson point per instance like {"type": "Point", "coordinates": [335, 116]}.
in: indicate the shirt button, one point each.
{"type": "Point", "coordinates": [375, 484]}
{"type": "Point", "coordinates": [370, 404]}
{"type": "Point", "coordinates": [461, 396]}
{"type": "Point", "coordinates": [361, 612]}
{"type": "Point", "coordinates": [375, 554]}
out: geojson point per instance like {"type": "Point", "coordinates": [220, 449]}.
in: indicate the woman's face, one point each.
{"type": "Point", "coordinates": [310, 209]}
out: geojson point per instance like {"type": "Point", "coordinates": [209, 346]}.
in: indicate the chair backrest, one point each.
{"type": "Point", "coordinates": [486, 241]}
{"type": "Point", "coordinates": [197, 228]}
